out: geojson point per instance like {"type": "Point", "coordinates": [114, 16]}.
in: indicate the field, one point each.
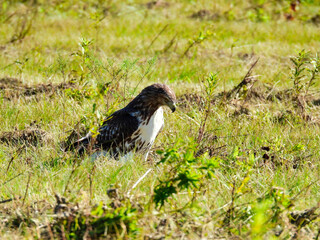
{"type": "Point", "coordinates": [239, 159]}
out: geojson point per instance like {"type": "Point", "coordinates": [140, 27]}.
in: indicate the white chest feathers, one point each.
{"type": "Point", "coordinates": [150, 129]}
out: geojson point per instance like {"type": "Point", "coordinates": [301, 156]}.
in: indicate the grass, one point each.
{"type": "Point", "coordinates": [251, 172]}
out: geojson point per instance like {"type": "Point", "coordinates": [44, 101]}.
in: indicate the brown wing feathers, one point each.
{"type": "Point", "coordinates": [112, 134]}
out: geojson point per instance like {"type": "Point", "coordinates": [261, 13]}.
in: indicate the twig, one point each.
{"type": "Point", "coordinates": [203, 124]}
{"type": "Point", "coordinates": [72, 172]}
{"type": "Point", "coordinates": [91, 175]}
{"type": "Point", "coordinates": [25, 194]}
{"type": "Point", "coordinates": [158, 35]}
{"type": "Point", "coordinates": [169, 44]}
{"type": "Point", "coordinates": [188, 48]}
{"type": "Point", "coordinates": [14, 156]}
{"type": "Point", "coordinates": [10, 16]}
{"type": "Point", "coordinates": [305, 188]}
{"type": "Point", "coordinates": [244, 81]}
{"type": "Point", "coordinates": [229, 213]}
{"type": "Point", "coordinates": [250, 69]}
{"type": "Point", "coordinates": [11, 179]}
{"type": "Point", "coordinates": [9, 200]}
{"type": "Point", "coordinates": [140, 179]}
{"type": "Point", "coordinates": [24, 26]}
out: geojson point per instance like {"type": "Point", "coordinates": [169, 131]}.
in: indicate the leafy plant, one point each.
{"type": "Point", "coordinates": [305, 71]}
{"type": "Point", "coordinates": [99, 222]}
{"type": "Point", "coordinates": [197, 40]}
{"type": "Point", "coordinates": [298, 72]}
{"type": "Point", "coordinates": [267, 211]}
{"type": "Point", "coordinates": [210, 84]}
{"type": "Point", "coordinates": [313, 71]}
{"type": "Point", "coordinates": [186, 172]}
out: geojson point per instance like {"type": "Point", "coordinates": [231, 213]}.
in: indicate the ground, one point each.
{"type": "Point", "coordinates": [239, 158]}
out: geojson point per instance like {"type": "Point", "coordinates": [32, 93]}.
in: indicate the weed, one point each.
{"type": "Point", "coordinates": [100, 221]}
{"type": "Point", "coordinates": [305, 71]}
{"type": "Point", "coordinates": [197, 40]}
{"type": "Point", "coordinates": [210, 86]}
{"type": "Point", "coordinates": [186, 172]}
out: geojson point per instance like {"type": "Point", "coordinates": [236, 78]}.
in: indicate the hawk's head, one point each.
{"type": "Point", "coordinates": [161, 95]}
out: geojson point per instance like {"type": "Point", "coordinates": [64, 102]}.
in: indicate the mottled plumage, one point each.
{"type": "Point", "coordinates": [134, 127]}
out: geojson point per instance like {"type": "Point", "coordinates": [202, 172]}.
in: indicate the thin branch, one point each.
{"type": "Point", "coordinates": [250, 69]}
{"type": "Point", "coordinates": [244, 81]}
{"type": "Point", "coordinates": [11, 179]}
{"type": "Point", "coordinates": [169, 44]}
{"type": "Point", "coordinates": [304, 189]}
{"type": "Point", "coordinates": [91, 176]}
{"type": "Point", "coordinates": [158, 35]}
{"type": "Point", "coordinates": [14, 156]}
{"type": "Point", "coordinates": [9, 200]}
{"type": "Point", "coordinates": [25, 194]}
{"type": "Point", "coordinates": [68, 181]}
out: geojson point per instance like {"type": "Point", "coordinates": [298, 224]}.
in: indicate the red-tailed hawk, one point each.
{"type": "Point", "coordinates": [133, 128]}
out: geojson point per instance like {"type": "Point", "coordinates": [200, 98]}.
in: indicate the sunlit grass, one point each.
{"type": "Point", "coordinates": [131, 47]}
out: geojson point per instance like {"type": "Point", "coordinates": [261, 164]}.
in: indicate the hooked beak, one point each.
{"type": "Point", "coordinates": [172, 106]}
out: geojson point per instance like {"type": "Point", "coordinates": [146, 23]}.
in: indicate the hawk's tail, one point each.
{"type": "Point", "coordinates": [80, 145]}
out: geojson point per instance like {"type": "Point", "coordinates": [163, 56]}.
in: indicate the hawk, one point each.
{"type": "Point", "coordinates": [133, 128]}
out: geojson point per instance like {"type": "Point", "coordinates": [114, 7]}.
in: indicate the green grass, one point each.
{"type": "Point", "coordinates": [112, 50]}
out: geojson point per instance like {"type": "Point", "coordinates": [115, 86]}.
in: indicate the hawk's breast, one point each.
{"type": "Point", "coordinates": [149, 129]}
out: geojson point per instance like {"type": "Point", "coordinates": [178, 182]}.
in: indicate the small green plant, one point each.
{"type": "Point", "coordinates": [267, 211]}
{"type": "Point", "coordinates": [197, 40]}
{"type": "Point", "coordinates": [305, 71]}
{"type": "Point", "coordinates": [186, 172]}
{"type": "Point", "coordinates": [298, 72]}
{"type": "Point", "coordinates": [313, 71]}
{"type": "Point", "coordinates": [210, 84]}
{"type": "Point", "coordinates": [258, 15]}
{"type": "Point", "coordinates": [100, 222]}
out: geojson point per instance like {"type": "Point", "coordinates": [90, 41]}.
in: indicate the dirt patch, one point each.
{"type": "Point", "coordinates": [251, 91]}
{"type": "Point", "coordinates": [191, 100]}
{"type": "Point", "coordinates": [316, 19]}
{"type": "Point", "coordinates": [245, 56]}
{"type": "Point", "coordinates": [32, 135]}
{"type": "Point", "coordinates": [11, 88]}
{"type": "Point", "coordinates": [157, 4]}
{"type": "Point", "coordinates": [286, 94]}
{"type": "Point", "coordinates": [290, 95]}
{"type": "Point", "coordinates": [47, 88]}
{"type": "Point", "coordinates": [205, 15]}
{"type": "Point", "coordinates": [9, 82]}
{"type": "Point", "coordinates": [316, 102]}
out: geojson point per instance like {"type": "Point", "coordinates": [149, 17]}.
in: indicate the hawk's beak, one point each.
{"type": "Point", "coordinates": [172, 106]}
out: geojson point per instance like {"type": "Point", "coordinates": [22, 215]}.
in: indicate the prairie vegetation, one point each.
{"type": "Point", "coordinates": [238, 160]}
